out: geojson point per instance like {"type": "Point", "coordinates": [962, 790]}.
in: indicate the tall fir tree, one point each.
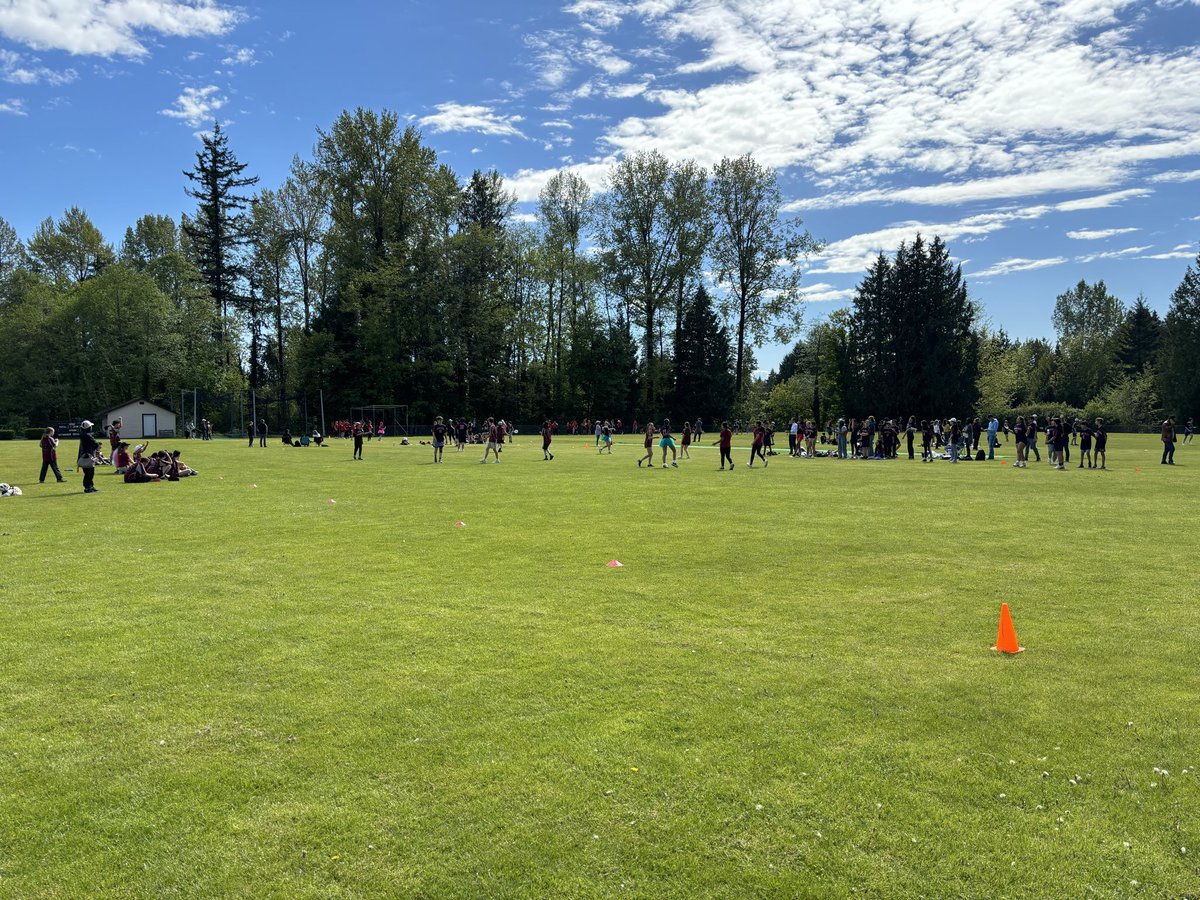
{"type": "Point", "coordinates": [219, 229]}
{"type": "Point", "coordinates": [1139, 337]}
{"type": "Point", "coordinates": [1179, 376]}
{"type": "Point", "coordinates": [705, 382]}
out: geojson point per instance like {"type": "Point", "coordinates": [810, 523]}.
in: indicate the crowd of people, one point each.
{"type": "Point", "coordinates": [868, 439]}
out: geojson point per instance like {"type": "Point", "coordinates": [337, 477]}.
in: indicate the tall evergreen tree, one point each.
{"type": "Point", "coordinates": [913, 348]}
{"type": "Point", "coordinates": [705, 382]}
{"type": "Point", "coordinates": [219, 230]}
{"type": "Point", "coordinates": [1139, 337]}
{"type": "Point", "coordinates": [1179, 375]}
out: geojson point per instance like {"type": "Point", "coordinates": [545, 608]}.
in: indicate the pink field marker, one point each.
{"type": "Point", "coordinates": [460, 524]}
{"type": "Point", "coordinates": [615, 564]}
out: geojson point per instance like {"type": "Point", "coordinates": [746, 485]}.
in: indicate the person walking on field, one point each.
{"type": "Point", "coordinates": [668, 441]}
{"type": "Point", "coordinates": [547, 437]}
{"type": "Point", "coordinates": [439, 439]}
{"type": "Point", "coordinates": [495, 439]}
{"type": "Point", "coordinates": [685, 441]}
{"type": "Point", "coordinates": [1020, 437]}
{"type": "Point", "coordinates": [756, 448]}
{"type": "Point", "coordinates": [1168, 440]}
{"type": "Point", "coordinates": [726, 444]}
{"type": "Point", "coordinates": [649, 445]}
{"type": "Point", "coordinates": [1031, 439]}
{"type": "Point", "coordinates": [88, 446]}
{"type": "Point", "coordinates": [49, 456]}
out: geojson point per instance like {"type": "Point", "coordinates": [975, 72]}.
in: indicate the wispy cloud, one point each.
{"type": "Point", "coordinates": [1016, 264]}
{"type": "Point", "coordinates": [1112, 254]}
{"type": "Point", "coordinates": [1176, 177]}
{"type": "Point", "coordinates": [240, 56]}
{"type": "Point", "coordinates": [1098, 234]}
{"type": "Point", "coordinates": [15, 69]}
{"type": "Point", "coordinates": [196, 106]}
{"type": "Point", "coordinates": [13, 107]}
{"type": "Point", "coordinates": [110, 27]}
{"type": "Point", "coordinates": [463, 117]}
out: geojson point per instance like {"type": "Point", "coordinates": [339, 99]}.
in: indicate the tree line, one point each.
{"type": "Point", "coordinates": [376, 274]}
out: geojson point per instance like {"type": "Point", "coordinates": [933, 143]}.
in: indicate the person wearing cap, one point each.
{"type": "Point", "coordinates": [88, 446]}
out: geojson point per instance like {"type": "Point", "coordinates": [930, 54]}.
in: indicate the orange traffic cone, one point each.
{"type": "Point", "coordinates": [1006, 638]}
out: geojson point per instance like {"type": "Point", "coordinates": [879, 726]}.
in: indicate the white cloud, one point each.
{"type": "Point", "coordinates": [1098, 234]}
{"type": "Point", "coordinates": [1176, 177]}
{"type": "Point", "coordinates": [461, 117]}
{"type": "Point", "coordinates": [1016, 264]}
{"type": "Point", "coordinates": [827, 293]}
{"type": "Point", "coordinates": [15, 69]}
{"type": "Point", "coordinates": [1112, 254]}
{"type": "Point", "coordinates": [196, 106]}
{"type": "Point", "coordinates": [110, 27]}
{"type": "Point", "coordinates": [240, 56]}
{"type": "Point", "coordinates": [13, 107]}
{"type": "Point", "coordinates": [1173, 254]}
{"type": "Point", "coordinates": [965, 99]}
{"type": "Point", "coordinates": [855, 253]}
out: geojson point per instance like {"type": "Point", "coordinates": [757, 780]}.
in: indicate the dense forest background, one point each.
{"type": "Point", "coordinates": [375, 274]}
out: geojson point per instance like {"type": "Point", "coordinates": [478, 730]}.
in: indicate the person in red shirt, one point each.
{"type": "Point", "coordinates": [547, 437]}
{"type": "Point", "coordinates": [685, 441]}
{"type": "Point", "coordinates": [649, 445]}
{"type": "Point", "coordinates": [114, 434]}
{"type": "Point", "coordinates": [122, 461]}
{"type": "Point", "coordinates": [726, 444]}
{"type": "Point", "coordinates": [49, 456]}
{"type": "Point", "coordinates": [495, 439]}
{"type": "Point", "coordinates": [756, 449]}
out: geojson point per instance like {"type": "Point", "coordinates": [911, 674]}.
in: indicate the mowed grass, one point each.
{"type": "Point", "coordinates": [211, 688]}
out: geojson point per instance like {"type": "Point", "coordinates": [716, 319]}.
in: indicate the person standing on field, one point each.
{"type": "Point", "coordinates": [547, 437]}
{"type": "Point", "coordinates": [1168, 440]}
{"type": "Point", "coordinates": [262, 432]}
{"type": "Point", "coordinates": [726, 443]}
{"type": "Point", "coordinates": [114, 435]}
{"type": "Point", "coordinates": [668, 441]}
{"type": "Point", "coordinates": [357, 433]}
{"type": "Point", "coordinates": [649, 445]}
{"type": "Point", "coordinates": [439, 439]}
{"type": "Point", "coordinates": [88, 446]}
{"type": "Point", "coordinates": [756, 447]}
{"type": "Point", "coordinates": [1101, 435]}
{"type": "Point", "coordinates": [49, 456]}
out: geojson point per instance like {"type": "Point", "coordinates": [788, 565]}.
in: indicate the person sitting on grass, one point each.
{"type": "Point", "coordinates": [121, 458]}
{"type": "Point", "coordinates": [182, 469]}
{"type": "Point", "coordinates": [317, 438]}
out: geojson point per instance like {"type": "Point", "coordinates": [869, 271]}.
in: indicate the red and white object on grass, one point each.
{"type": "Point", "coordinates": [615, 564]}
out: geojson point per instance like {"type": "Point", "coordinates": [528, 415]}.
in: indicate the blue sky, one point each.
{"type": "Point", "coordinates": [1047, 142]}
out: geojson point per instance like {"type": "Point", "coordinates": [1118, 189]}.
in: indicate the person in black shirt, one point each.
{"type": "Point", "coordinates": [88, 446]}
{"type": "Point", "coordinates": [1022, 446]}
{"type": "Point", "coordinates": [1101, 434]}
{"type": "Point", "coordinates": [439, 439]}
{"type": "Point", "coordinates": [1085, 446]}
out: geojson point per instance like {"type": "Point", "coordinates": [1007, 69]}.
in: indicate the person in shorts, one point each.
{"type": "Point", "coordinates": [495, 439]}
{"type": "Point", "coordinates": [439, 439]}
{"type": "Point", "coordinates": [649, 445]}
{"type": "Point", "coordinates": [685, 441]}
{"type": "Point", "coordinates": [1019, 434]}
{"type": "Point", "coordinates": [1085, 446]}
{"type": "Point", "coordinates": [668, 442]}
{"type": "Point", "coordinates": [547, 436]}
{"type": "Point", "coordinates": [1101, 435]}
{"type": "Point", "coordinates": [606, 431]}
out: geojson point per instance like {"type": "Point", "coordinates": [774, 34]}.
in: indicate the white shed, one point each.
{"type": "Point", "coordinates": [140, 419]}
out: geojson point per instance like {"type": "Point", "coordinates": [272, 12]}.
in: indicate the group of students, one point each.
{"type": "Point", "coordinates": [135, 466]}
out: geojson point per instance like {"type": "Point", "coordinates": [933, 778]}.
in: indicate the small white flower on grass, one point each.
{"type": "Point", "coordinates": [1061, 820]}
{"type": "Point", "coordinates": [1012, 762]}
{"type": "Point", "coordinates": [595, 837]}
{"type": "Point", "coordinates": [1003, 796]}
{"type": "Point", "coordinates": [1134, 883]}
{"type": "Point", "coordinates": [162, 743]}
{"type": "Point", "coordinates": [879, 806]}
{"type": "Point", "coordinates": [1154, 784]}
{"type": "Point", "coordinates": [758, 806]}
{"type": "Point", "coordinates": [1183, 850]}
{"type": "Point", "coordinates": [818, 834]}
{"type": "Point", "coordinates": [914, 840]}
{"type": "Point", "coordinates": [1127, 845]}
{"type": "Point", "coordinates": [1045, 774]}
{"type": "Point", "coordinates": [1128, 724]}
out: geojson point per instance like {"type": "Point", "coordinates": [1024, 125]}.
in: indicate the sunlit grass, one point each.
{"type": "Point", "coordinates": [787, 690]}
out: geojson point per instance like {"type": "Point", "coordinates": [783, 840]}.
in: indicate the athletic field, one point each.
{"type": "Point", "coordinates": [295, 676]}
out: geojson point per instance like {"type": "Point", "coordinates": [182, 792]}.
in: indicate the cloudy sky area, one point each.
{"type": "Point", "coordinates": [1046, 142]}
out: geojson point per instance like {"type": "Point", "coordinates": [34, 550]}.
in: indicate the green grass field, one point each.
{"type": "Point", "coordinates": [211, 688]}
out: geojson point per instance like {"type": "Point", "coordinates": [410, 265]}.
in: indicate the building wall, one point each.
{"type": "Point", "coordinates": [131, 415]}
